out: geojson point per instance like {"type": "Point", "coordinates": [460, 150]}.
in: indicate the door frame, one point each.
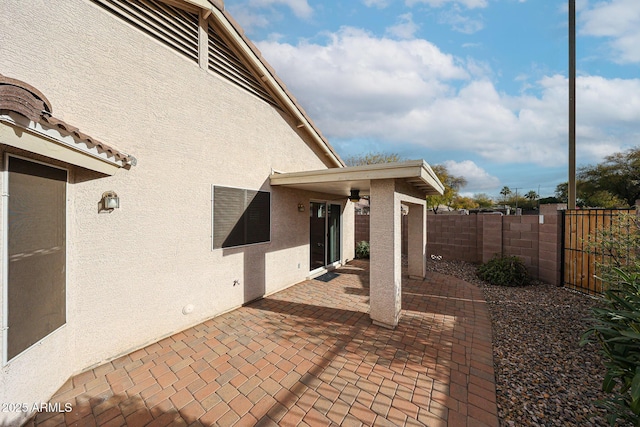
{"type": "Point", "coordinates": [326, 266]}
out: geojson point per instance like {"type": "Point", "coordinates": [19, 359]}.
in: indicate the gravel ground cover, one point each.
{"type": "Point", "coordinates": [543, 377]}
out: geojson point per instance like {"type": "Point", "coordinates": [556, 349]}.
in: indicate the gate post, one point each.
{"type": "Point", "coordinates": [550, 246]}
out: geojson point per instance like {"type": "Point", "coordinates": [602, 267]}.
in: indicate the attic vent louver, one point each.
{"type": "Point", "coordinates": [224, 62]}
{"type": "Point", "coordinates": [170, 25]}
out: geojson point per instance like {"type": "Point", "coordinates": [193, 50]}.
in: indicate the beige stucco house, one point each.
{"type": "Point", "coordinates": [157, 173]}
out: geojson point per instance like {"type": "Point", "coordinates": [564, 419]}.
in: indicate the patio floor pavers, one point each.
{"type": "Point", "coordinates": [308, 355]}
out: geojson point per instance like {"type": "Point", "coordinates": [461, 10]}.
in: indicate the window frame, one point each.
{"type": "Point", "coordinates": [213, 227]}
{"type": "Point", "coordinates": [5, 255]}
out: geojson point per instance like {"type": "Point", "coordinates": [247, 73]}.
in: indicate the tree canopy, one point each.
{"type": "Point", "coordinates": [452, 185]}
{"type": "Point", "coordinates": [505, 193]}
{"type": "Point", "coordinates": [372, 158]}
{"type": "Point", "coordinates": [483, 200]}
{"type": "Point", "coordinates": [615, 182]}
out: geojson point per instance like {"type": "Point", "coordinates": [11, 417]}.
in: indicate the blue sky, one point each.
{"type": "Point", "coordinates": [479, 86]}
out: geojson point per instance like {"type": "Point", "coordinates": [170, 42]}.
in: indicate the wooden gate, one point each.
{"type": "Point", "coordinates": [578, 263]}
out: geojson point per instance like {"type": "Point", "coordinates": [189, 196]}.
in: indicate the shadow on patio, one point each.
{"type": "Point", "coordinates": [308, 355]}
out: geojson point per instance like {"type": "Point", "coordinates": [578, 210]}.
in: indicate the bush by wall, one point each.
{"type": "Point", "coordinates": [362, 249]}
{"type": "Point", "coordinates": [504, 271]}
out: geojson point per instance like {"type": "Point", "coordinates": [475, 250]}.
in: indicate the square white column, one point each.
{"type": "Point", "coordinates": [385, 284]}
{"type": "Point", "coordinates": [417, 232]}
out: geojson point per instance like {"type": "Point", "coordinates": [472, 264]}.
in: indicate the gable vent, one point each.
{"type": "Point", "coordinates": [170, 25]}
{"type": "Point", "coordinates": [224, 62]}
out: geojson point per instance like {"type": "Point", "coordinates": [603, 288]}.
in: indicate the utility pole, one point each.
{"type": "Point", "coordinates": [517, 188]}
{"type": "Point", "coordinates": [572, 106]}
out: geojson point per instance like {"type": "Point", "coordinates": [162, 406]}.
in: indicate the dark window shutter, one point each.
{"type": "Point", "coordinates": [240, 217]}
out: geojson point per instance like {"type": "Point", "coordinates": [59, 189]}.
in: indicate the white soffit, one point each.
{"type": "Point", "coordinates": [20, 132]}
{"type": "Point", "coordinates": [342, 180]}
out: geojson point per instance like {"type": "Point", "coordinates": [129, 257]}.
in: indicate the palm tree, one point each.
{"type": "Point", "coordinates": [505, 193]}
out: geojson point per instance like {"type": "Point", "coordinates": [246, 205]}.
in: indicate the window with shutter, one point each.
{"type": "Point", "coordinates": [240, 217]}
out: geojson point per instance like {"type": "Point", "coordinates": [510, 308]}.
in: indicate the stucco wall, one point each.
{"type": "Point", "coordinates": [131, 272]}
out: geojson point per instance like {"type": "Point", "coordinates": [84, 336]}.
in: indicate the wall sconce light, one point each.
{"type": "Point", "coordinates": [354, 196]}
{"type": "Point", "coordinates": [110, 201]}
{"type": "Point", "coordinates": [300, 207]}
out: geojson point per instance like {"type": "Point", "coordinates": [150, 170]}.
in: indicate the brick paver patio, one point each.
{"type": "Point", "coordinates": [308, 355]}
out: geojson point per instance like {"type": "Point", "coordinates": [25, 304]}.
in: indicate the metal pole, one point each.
{"type": "Point", "coordinates": [572, 105]}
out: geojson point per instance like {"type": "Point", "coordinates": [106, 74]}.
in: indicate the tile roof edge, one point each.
{"type": "Point", "coordinates": [19, 99]}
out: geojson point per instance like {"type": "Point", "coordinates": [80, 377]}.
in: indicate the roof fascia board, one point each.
{"type": "Point", "coordinates": [399, 170]}
{"type": "Point", "coordinates": [428, 175]}
{"type": "Point", "coordinates": [193, 6]}
{"type": "Point", "coordinates": [224, 22]}
{"type": "Point", "coordinates": [417, 169]}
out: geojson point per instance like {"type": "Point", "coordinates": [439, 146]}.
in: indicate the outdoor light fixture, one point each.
{"type": "Point", "coordinates": [300, 207]}
{"type": "Point", "coordinates": [110, 201]}
{"type": "Point", "coordinates": [354, 196]}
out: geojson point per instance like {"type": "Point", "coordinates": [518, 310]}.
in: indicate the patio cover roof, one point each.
{"type": "Point", "coordinates": [342, 180]}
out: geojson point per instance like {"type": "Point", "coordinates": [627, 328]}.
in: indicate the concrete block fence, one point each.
{"type": "Point", "coordinates": [537, 239]}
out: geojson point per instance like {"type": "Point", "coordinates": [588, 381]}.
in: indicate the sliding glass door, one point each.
{"type": "Point", "coordinates": [324, 234]}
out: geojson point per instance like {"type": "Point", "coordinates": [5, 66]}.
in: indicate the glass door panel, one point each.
{"type": "Point", "coordinates": [317, 234]}
{"type": "Point", "coordinates": [333, 236]}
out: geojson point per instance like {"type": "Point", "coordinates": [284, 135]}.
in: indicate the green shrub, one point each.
{"type": "Point", "coordinates": [617, 330]}
{"type": "Point", "coordinates": [362, 249]}
{"type": "Point", "coordinates": [504, 271]}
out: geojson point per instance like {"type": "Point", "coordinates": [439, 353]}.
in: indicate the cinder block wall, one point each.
{"type": "Point", "coordinates": [361, 229]}
{"type": "Point", "coordinates": [454, 237]}
{"type": "Point", "coordinates": [537, 239]}
{"type": "Point", "coordinates": [520, 237]}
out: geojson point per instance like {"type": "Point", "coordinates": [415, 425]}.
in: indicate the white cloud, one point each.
{"type": "Point", "coordinates": [404, 29]}
{"type": "Point", "coordinates": [470, 4]}
{"type": "Point", "coordinates": [478, 180]}
{"type": "Point", "coordinates": [619, 21]}
{"type": "Point", "coordinates": [359, 76]}
{"type": "Point", "coordinates": [410, 92]}
{"type": "Point", "coordinates": [250, 18]}
{"type": "Point", "coordinates": [262, 13]}
{"type": "Point", "coordinates": [380, 4]}
{"type": "Point", "coordinates": [300, 8]}
{"type": "Point", "coordinates": [460, 22]}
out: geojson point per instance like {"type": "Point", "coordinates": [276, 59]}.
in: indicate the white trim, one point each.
{"type": "Point", "coordinates": [19, 132]}
{"type": "Point", "coordinates": [203, 39]}
{"type": "Point", "coordinates": [340, 180]}
{"type": "Point", "coordinates": [5, 257]}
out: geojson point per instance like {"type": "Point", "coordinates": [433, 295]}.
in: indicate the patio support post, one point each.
{"type": "Point", "coordinates": [417, 232]}
{"type": "Point", "coordinates": [386, 243]}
